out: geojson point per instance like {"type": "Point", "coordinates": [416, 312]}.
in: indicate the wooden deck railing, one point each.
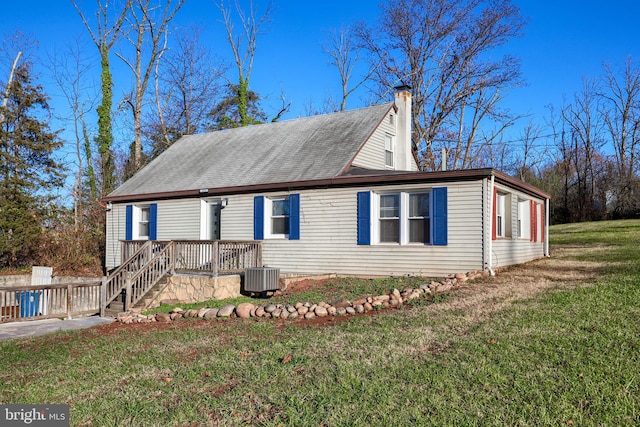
{"type": "Point", "coordinates": [217, 256]}
{"type": "Point", "coordinates": [235, 257]}
{"type": "Point", "coordinates": [49, 301]}
{"type": "Point", "coordinates": [149, 261]}
{"type": "Point", "coordinates": [143, 254]}
{"type": "Point", "coordinates": [138, 284]}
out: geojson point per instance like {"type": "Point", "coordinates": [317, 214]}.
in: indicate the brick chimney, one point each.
{"type": "Point", "coordinates": [404, 156]}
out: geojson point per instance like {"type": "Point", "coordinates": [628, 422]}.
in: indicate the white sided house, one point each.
{"type": "Point", "coordinates": [338, 193]}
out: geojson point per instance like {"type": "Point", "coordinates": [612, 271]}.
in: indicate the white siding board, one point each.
{"type": "Point", "coordinates": [371, 156]}
{"type": "Point", "coordinates": [328, 236]}
{"type": "Point", "coordinates": [513, 250]}
{"type": "Point", "coordinates": [115, 231]}
{"type": "Point", "coordinates": [328, 233]}
{"type": "Point", "coordinates": [236, 221]}
{"type": "Point", "coordinates": [178, 219]}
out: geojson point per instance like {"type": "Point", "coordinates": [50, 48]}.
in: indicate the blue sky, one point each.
{"type": "Point", "coordinates": [565, 41]}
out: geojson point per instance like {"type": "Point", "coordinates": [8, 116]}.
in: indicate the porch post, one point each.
{"type": "Point", "coordinates": [69, 301]}
{"type": "Point", "coordinates": [127, 301]}
{"type": "Point", "coordinates": [149, 252]}
{"type": "Point", "coordinates": [215, 258]}
{"type": "Point", "coordinates": [103, 294]}
{"type": "Point", "coordinates": [173, 257]}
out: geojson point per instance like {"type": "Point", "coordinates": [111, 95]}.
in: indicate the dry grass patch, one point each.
{"type": "Point", "coordinates": [476, 302]}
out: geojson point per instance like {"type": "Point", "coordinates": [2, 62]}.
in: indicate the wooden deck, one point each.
{"type": "Point", "coordinates": [18, 303]}
{"type": "Point", "coordinates": [143, 265]}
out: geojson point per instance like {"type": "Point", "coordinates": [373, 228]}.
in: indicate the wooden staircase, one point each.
{"type": "Point", "coordinates": [143, 273]}
{"type": "Point", "coordinates": [129, 286]}
{"type": "Point", "coordinates": [117, 305]}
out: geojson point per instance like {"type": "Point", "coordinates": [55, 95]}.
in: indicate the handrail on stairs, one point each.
{"type": "Point", "coordinates": [117, 280]}
{"type": "Point", "coordinates": [154, 259]}
{"type": "Point", "coordinates": [138, 284]}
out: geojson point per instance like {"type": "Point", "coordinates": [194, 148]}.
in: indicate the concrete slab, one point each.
{"type": "Point", "coordinates": [34, 328]}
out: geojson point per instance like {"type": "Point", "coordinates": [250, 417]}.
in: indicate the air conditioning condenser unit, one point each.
{"type": "Point", "coordinates": [262, 279]}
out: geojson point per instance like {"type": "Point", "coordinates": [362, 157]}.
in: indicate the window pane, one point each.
{"type": "Point", "coordinates": [390, 206]}
{"type": "Point", "coordinates": [420, 230]}
{"type": "Point", "coordinates": [388, 143]}
{"type": "Point", "coordinates": [419, 205]}
{"type": "Point", "coordinates": [388, 151]}
{"type": "Point", "coordinates": [390, 230]}
{"type": "Point", "coordinates": [144, 214]}
{"type": "Point", "coordinates": [388, 158]}
{"type": "Point", "coordinates": [143, 229]}
{"type": "Point", "coordinates": [280, 225]}
{"type": "Point", "coordinates": [280, 207]}
{"type": "Point", "coordinates": [500, 204]}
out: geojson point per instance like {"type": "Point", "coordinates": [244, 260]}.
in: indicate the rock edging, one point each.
{"type": "Point", "coordinates": [308, 310]}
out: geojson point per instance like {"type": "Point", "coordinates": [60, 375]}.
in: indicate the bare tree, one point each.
{"type": "Point", "coordinates": [69, 71]}
{"type": "Point", "coordinates": [104, 36]}
{"type": "Point", "coordinates": [187, 85]}
{"type": "Point", "coordinates": [148, 23]}
{"type": "Point", "coordinates": [621, 114]}
{"type": "Point", "coordinates": [326, 105]}
{"type": "Point", "coordinates": [472, 136]}
{"type": "Point", "coordinates": [533, 153]}
{"type": "Point", "coordinates": [5, 98]}
{"type": "Point", "coordinates": [243, 45]}
{"type": "Point", "coordinates": [441, 48]}
{"type": "Point", "coordinates": [585, 136]}
{"type": "Point", "coordinates": [344, 55]}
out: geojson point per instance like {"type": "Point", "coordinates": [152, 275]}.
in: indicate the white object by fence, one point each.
{"type": "Point", "coordinates": [42, 276]}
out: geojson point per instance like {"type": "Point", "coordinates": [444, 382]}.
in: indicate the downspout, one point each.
{"type": "Point", "coordinates": [490, 245]}
{"type": "Point", "coordinates": [546, 228]}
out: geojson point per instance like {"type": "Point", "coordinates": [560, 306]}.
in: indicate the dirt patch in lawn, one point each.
{"type": "Point", "coordinates": [304, 285]}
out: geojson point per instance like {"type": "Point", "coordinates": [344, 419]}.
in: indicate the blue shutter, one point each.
{"type": "Point", "coordinates": [440, 216]}
{"type": "Point", "coordinates": [258, 218]}
{"type": "Point", "coordinates": [294, 217]}
{"type": "Point", "coordinates": [128, 222]}
{"type": "Point", "coordinates": [364, 217]}
{"type": "Point", "coordinates": [153, 221]}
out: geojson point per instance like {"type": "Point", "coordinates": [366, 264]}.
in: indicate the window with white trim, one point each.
{"type": "Point", "coordinates": [141, 216]}
{"type": "Point", "coordinates": [500, 215]}
{"type": "Point", "coordinates": [390, 218]}
{"type": "Point", "coordinates": [280, 217]}
{"type": "Point", "coordinates": [419, 218]}
{"type": "Point", "coordinates": [276, 217]}
{"type": "Point", "coordinates": [404, 218]}
{"type": "Point", "coordinates": [388, 151]}
{"type": "Point", "coordinates": [524, 220]}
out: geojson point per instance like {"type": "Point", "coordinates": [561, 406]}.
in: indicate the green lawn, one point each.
{"type": "Point", "coordinates": [568, 355]}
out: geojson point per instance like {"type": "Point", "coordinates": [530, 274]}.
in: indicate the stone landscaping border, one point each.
{"type": "Point", "coordinates": [308, 310]}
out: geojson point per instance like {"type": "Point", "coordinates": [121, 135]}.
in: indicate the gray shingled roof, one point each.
{"type": "Point", "coordinates": [311, 148]}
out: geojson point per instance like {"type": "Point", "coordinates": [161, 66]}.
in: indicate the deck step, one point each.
{"type": "Point", "coordinates": [151, 295]}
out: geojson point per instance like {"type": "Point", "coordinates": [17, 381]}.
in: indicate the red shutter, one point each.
{"type": "Point", "coordinates": [542, 223]}
{"type": "Point", "coordinates": [494, 234]}
{"type": "Point", "coordinates": [535, 221]}
{"type": "Point", "coordinates": [531, 222]}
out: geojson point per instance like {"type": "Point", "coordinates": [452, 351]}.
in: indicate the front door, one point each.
{"type": "Point", "coordinates": [214, 220]}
